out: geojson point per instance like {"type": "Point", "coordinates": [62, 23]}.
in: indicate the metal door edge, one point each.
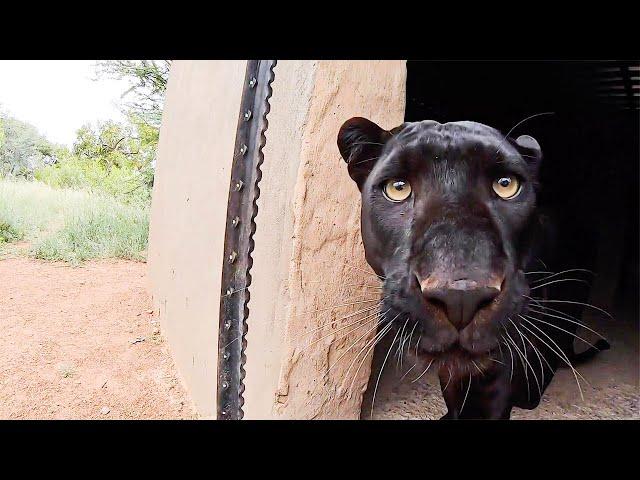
{"type": "Point", "coordinates": [239, 231]}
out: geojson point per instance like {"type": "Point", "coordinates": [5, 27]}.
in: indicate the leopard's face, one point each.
{"type": "Point", "coordinates": [446, 211]}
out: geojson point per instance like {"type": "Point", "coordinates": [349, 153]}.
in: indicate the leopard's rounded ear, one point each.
{"type": "Point", "coordinates": [360, 142]}
{"type": "Point", "coordinates": [530, 146]}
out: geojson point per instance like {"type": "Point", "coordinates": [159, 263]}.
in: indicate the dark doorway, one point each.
{"type": "Point", "coordinates": [589, 175]}
{"type": "Point", "coordinates": [590, 144]}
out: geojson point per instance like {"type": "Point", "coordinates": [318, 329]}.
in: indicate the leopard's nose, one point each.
{"type": "Point", "coordinates": [460, 304]}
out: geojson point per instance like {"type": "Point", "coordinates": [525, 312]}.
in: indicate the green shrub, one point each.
{"type": "Point", "coordinates": [9, 233]}
{"type": "Point", "coordinates": [126, 183]}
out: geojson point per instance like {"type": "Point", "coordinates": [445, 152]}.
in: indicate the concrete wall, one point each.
{"type": "Point", "coordinates": [308, 253]}
{"type": "Point", "coordinates": [188, 214]}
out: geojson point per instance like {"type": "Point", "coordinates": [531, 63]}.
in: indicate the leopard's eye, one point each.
{"type": "Point", "coordinates": [506, 187]}
{"type": "Point", "coordinates": [397, 190]}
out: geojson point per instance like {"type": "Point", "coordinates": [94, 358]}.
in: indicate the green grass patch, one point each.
{"type": "Point", "coordinates": [71, 225]}
{"type": "Point", "coordinates": [9, 232]}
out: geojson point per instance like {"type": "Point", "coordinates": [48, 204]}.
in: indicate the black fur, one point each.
{"type": "Point", "coordinates": [455, 236]}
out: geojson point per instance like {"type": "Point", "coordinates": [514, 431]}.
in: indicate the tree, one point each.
{"type": "Point", "coordinates": [109, 157]}
{"type": "Point", "coordinates": [148, 82]}
{"type": "Point", "coordinates": [22, 148]}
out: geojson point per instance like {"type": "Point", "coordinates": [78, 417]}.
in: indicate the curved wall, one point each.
{"type": "Point", "coordinates": [308, 253]}
{"type": "Point", "coordinates": [188, 213]}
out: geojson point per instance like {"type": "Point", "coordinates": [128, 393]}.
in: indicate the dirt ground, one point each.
{"type": "Point", "coordinates": [613, 374]}
{"type": "Point", "coordinates": [83, 343]}
{"type": "Point", "coordinates": [70, 349]}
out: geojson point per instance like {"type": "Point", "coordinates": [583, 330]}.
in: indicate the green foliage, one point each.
{"type": "Point", "coordinates": [2, 134]}
{"type": "Point", "coordinates": [9, 232]}
{"type": "Point", "coordinates": [22, 148]}
{"type": "Point", "coordinates": [72, 225]}
{"type": "Point", "coordinates": [147, 85]}
{"type": "Point", "coordinates": [90, 201]}
{"type": "Point", "coordinates": [113, 158]}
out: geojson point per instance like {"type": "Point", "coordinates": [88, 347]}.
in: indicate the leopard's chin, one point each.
{"type": "Point", "coordinates": [459, 361]}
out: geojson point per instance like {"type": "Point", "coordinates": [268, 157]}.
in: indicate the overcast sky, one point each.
{"type": "Point", "coordinates": [58, 96]}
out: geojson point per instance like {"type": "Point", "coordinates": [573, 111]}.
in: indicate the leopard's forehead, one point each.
{"type": "Point", "coordinates": [452, 136]}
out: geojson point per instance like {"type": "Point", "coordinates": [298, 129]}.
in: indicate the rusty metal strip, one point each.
{"type": "Point", "coordinates": [238, 241]}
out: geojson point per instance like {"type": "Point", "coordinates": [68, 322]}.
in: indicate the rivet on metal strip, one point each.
{"type": "Point", "coordinates": [239, 185]}
{"type": "Point", "coordinates": [247, 115]}
{"type": "Point", "coordinates": [235, 222]}
{"type": "Point", "coordinates": [243, 149]}
{"type": "Point", "coordinates": [232, 256]}
{"type": "Point", "coordinates": [253, 82]}
{"type": "Point", "coordinates": [229, 291]}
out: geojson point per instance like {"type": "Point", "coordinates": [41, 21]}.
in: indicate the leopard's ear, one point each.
{"type": "Point", "coordinates": [360, 142]}
{"type": "Point", "coordinates": [530, 149]}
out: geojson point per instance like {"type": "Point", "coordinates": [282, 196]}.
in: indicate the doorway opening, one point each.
{"type": "Point", "coordinates": [589, 174]}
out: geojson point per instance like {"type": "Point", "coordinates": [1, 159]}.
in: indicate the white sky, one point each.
{"type": "Point", "coordinates": [58, 96]}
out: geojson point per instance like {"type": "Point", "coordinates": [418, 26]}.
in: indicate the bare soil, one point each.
{"type": "Point", "coordinates": [83, 343]}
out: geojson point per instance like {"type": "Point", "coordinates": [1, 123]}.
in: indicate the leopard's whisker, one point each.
{"type": "Point", "coordinates": [571, 270]}
{"type": "Point", "coordinates": [520, 123]}
{"type": "Point", "coordinates": [560, 280]}
{"type": "Point", "coordinates": [578, 337]}
{"type": "Point", "coordinates": [324, 377]}
{"type": "Point", "coordinates": [352, 345]}
{"type": "Point", "coordinates": [398, 354]}
{"type": "Point", "coordinates": [524, 349]}
{"type": "Point", "coordinates": [511, 355]}
{"type": "Point", "coordinates": [407, 372]}
{"type": "Point", "coordinates": [381, 277]}
{"type": "Point", "coordinates": [523, 361]}
{"type": "Point", "coordinates": [464, 401]}
{"type": "Point", "coordinates": [448, 381]}
{"type": "Point", "coordinates": [372, 341]}
{"type": "Point", "coordinates": [375, 390]}
{"type": "Point", "coordinates": [367, 143]}
{"type": "Point", "coordinates": [561, 355]}
{"type": "Point", "coordinates": [331, 322]}
{"type": "Point", "coordinates": [423, 373]}
{"type": "Point", "coordinates": [361, 322]}
{"type": "Point", "coordinates": [410, 337]}
{"type": "Point", "coordinates": [345, 284]}
{"type": "Point", "coordinates": [333, 307]}
{"type": "Point", "coordinates": [366, 354]}
{"type": "Point", "coordinates": [539, 354]}
{"type": "Point", "coordinates": [476, 365]}
{"type": "Point", "coordinates": [568, 320]}
{"type": "Point", "coordinates": [570, 302]}
{"type": "Point", "coordinates": [367, 160]}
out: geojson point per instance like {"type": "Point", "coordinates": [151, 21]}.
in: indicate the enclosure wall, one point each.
{"type": "Point", "coordinates": [308, 252]}
{"type": "Point", "coordinates": [188, 213]}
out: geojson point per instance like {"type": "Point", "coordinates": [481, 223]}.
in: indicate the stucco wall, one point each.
{"type": "Point", "coordinates": [188, 213]}
{"type": "Point", "coordinates": [308, 253]}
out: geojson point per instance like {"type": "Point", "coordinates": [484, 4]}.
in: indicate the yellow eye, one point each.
{"type": "Point", "coordinates": [506, 187]}
{"type": "Point", "coordinates": [397, 190]}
